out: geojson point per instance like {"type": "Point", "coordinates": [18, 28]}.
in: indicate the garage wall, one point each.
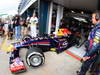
{"type": "Point", "coordinates": [79, 4]}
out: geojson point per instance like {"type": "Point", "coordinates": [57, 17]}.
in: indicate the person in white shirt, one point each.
{"type": "Point", "coordinates": [33, 25]}
{"type": "Point", "coordinates": [6, 27]}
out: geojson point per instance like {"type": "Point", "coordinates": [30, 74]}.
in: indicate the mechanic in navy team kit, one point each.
{"type": "Point", "coordinates": [93, 51]}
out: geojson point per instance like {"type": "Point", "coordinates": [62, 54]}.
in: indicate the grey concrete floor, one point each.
{"type": "Point", "coordinates": [55, 64]}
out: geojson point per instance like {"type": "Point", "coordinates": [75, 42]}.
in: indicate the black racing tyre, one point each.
{"type": "Point", "coordinates": [26, 38]}
{"type": "Point", "coordinates": [35, 57]}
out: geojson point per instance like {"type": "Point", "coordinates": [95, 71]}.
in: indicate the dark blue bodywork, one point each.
{"type": "Point", "coordinates": [47, 43]}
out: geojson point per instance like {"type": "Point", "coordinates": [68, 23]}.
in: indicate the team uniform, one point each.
{"type": "Point", "coordinates": [92, 50]}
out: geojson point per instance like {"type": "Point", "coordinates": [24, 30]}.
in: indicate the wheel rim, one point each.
{"type": "Point", "coordinates": [35, 60]}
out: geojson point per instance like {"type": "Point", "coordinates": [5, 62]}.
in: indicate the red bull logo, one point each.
{"type": "Point", "coordinates": [63, 31]}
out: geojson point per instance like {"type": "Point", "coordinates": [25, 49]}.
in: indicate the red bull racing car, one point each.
{"type": "Point", "coordinates": [36, 48]}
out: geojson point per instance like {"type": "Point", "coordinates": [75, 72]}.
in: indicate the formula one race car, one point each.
{"type": "Point", "coordinates": [38, 45]}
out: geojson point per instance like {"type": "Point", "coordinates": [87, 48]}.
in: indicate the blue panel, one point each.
{"type": "Point", "coordinates": [43, 12]}
{"type": "Point", "coordinates": [30, 12]}
{"type": "Point", "coordinates": [24, 15]}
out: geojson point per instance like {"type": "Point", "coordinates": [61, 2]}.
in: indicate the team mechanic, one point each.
{"type": "Point", "coordinates": [92, 52]}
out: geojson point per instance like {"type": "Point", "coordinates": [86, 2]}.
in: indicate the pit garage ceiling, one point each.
{"type": "Point", "coordinates": [91, 5]}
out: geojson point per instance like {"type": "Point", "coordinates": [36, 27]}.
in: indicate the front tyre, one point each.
{"type": "Point", "coordinates": [35, 57]}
